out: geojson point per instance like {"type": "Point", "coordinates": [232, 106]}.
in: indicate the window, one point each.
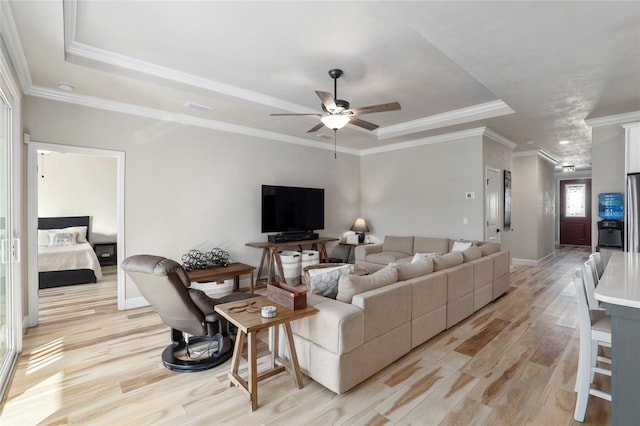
{"type": "Point", "coordinates": [576, 200]}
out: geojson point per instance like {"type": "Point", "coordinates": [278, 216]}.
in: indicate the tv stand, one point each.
{"type": "Point", "coordinates": [272, 257]}
{"type": "Point", "coordinates": [287, 237]}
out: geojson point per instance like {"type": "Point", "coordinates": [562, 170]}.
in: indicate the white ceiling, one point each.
{"type": "Point", "coordinates": [530, 71]}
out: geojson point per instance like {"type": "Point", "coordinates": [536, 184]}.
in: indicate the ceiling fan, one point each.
{"type": "Point", "coordinates": [337, 114]}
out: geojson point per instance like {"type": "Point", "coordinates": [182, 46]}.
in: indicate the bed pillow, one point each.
{"type": "Point", "coordinates": [81, 232]}
{"type": "Point", "coordinates": [43, 237]}
{"type": "Point", "coordinates": [59, 239]}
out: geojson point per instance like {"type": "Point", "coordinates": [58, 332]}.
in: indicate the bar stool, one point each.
{"type": "Point", "coordinates": [597, 259]}
{"type": "Point", "coordinates": [595, 330]}
{"type": "Point", "coordinates": [590, 278]}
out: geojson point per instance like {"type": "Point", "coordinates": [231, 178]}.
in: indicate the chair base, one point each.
{"type": "Point", "coordinates": [179, 365]}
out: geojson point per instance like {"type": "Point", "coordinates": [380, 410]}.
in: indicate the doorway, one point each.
{"type": "Point", "coordinates": [575, 212]}
{"type": "Point", "coordinates": [32, 201]}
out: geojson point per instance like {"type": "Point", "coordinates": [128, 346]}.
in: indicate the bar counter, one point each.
{"type": "Point", "coordinates": [619, 288]}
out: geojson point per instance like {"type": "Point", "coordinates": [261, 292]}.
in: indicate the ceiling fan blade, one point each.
{"type": "Point", "coordinates": [315, 128]}
{"type": "Point", "coordinates": [327, 100]}
{"type": "Point", "coordinates": [281, 115]}
{"type": "Point", "coordinates": [364, 124]}
{"type": "Point", "coordinates": [391, 106]}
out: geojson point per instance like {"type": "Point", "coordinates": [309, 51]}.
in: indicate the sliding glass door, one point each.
{"type": "Point", "coordinates": [8, 350]}
{"type": "Point", "coordinates": [5, 300]}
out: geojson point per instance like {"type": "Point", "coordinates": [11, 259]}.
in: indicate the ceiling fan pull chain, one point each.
{"type": "Point", "coordinates": [335, 146]}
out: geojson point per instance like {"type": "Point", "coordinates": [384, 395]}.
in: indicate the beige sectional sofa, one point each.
{"type": "Point", "coordinates": [379, 317]}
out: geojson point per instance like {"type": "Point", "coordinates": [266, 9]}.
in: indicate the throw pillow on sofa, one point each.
{"type": "Point", "coordinates": [460, 245]}
{"type": "Point", "coordinates": [350, 285]}
{"type": "Point", "coordinates": [324, 281]}
{"type": "Point", "coordinates": [423, 256]}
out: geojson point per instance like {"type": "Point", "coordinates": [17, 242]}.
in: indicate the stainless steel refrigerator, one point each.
{"type": "Point", "coordinates": [632, 213]}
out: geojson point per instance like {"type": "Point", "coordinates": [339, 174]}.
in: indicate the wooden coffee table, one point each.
{"type": "Point", "coordinates": [249, 322]}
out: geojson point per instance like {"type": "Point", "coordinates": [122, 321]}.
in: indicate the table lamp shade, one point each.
{"type": "Point", "coordinates": [360, 227]}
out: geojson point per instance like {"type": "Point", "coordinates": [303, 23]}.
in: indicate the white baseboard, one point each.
{"type": "Point", "coordinates": [530, 262]}
{"type": "Point", "coordinates": [136, 302]}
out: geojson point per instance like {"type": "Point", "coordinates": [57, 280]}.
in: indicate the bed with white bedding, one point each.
{"type": "Point", "coordinates": [65, 255]}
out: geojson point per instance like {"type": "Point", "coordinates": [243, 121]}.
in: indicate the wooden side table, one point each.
{"type": "Point", "coordinates": [350, 247]}
{"type": "Point", "coordinates": [221, 272]}
{"type": "Point", "coordinates": [249, 322]}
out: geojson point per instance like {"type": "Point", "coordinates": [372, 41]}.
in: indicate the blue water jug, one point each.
{"type": "Point", "coordinates": [611, 206]}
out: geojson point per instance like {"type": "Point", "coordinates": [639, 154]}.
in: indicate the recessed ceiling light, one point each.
{"type": "Point", "coordinates": [197, 107]}
{"type": "Point", "coordinates": [531, 142]}
{"type": "Point", "coordinates": [63, 85]}
{"type": "Point", "coordinates": [563, 142]}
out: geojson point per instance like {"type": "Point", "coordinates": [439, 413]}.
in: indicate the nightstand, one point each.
{"type": "Point", "coordinates": [107, 253]}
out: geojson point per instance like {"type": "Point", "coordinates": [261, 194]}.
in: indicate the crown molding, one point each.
{"type": "Point", "coordinates": [449, 118]}
{"type": "Point", "coordinates": [538, 153]}
{"type": "Point", "coordinates": [493, 135]}
{"type": "Point", "coordinates": [158, 114]}
{"type": "Point", "coordinates": [609, 120]}
{"type": "Point", "coordinates": [9, 33]}
{"type": "Point", "coordinates": [480, 131]}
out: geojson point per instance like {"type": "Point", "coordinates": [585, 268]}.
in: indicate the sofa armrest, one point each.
{"type": "Point", "coordinates": [337, 327]}
{"type": "Point", "coordinates": [363, 251]}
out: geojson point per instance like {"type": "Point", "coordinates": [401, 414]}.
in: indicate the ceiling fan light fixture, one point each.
{"type": "Point", "coordinates": [335, 122]}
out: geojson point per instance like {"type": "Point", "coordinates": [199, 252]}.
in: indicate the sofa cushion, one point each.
{"type": "Point", "coordinates": [472, 253]}
{"type": "Point", "coordinates": [324, 281]}
{"type": "Point", "coordinates": [350, 285]}
{"type": "Point", "coordinates": [385, 257]}
{"type": "Point", "coordinates": [430, 245]}
{"type": "Point", "coordinates": [407, 271]}
{"type": "Point", "coordinates": [447, 261]}
{"type": "Point", "coordinates": [398, 244]}
{"type": "Point", "coordinates": [490, 248]}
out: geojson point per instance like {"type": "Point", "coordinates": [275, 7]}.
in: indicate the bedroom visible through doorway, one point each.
{"type": "Point", "coordinates": [67, 182]}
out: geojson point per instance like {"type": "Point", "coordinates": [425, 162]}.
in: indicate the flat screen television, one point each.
{"type": "Point", "coordinates": [292, 209]}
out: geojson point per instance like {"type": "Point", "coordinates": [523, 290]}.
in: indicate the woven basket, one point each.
{"type": "Point", "coordinates": [357, 270]}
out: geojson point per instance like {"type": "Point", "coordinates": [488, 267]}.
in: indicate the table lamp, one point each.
{"type": "Point", "coordinates": [360, 227]}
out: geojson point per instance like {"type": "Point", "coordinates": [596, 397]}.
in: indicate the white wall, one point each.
{"type": "Point", "coordinates": [189, 187]}
{"type": "Point", "coordinates": [546, 208]}
{"type": "Point", "coordinates": [421, 191]}
{"type": "Point", "coordinates": [608, 174]}
{"type": "Point", "coordinates": [533, 195]}
{"type": "Point", "coordinates": [498, 156]}
{"type": "Point", "coordinates": [79, 185]}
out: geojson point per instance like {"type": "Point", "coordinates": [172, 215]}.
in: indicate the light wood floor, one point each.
{"type": "Point", "coordinates": [511, 363]}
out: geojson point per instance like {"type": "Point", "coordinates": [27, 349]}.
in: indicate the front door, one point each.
{"type": "Point", "coordinates": [575, 212]}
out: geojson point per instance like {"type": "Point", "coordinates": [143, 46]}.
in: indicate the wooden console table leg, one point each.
{"type": "Point", "coordinates": [265, 252]}
{"type": "Point", "coordinates": [251, 282]}
{"type": "Point", "coordinates": [323, 253]}
{"type": "Point", "coordinates": [276, 256]}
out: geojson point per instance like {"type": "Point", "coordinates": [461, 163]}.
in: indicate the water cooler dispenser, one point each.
{"type": "Point", "coordinates": [611, 228]}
